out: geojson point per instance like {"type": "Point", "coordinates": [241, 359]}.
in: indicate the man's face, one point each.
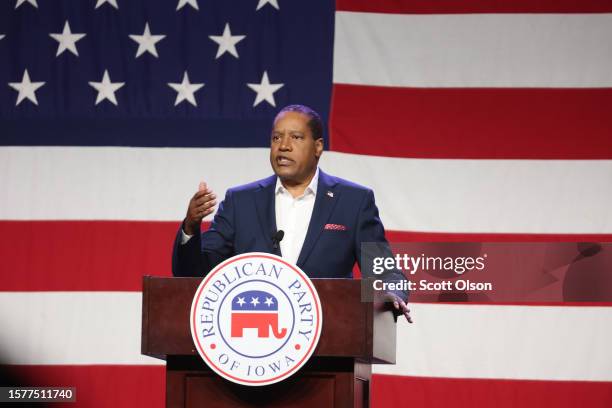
{"type": "Point", "coordinates": [293, 151]}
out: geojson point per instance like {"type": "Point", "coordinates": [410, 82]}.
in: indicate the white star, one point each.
{"type": "Point", "coordinates": [254, 301]}
{"type": "Point", "coordinates": [26, 88]}
{"type": "Point", "coordinates": [20, 2]}
{"type": "Point", "coordinates": [269, 301]}
{"type": "Point", "coordinates": [265, 90]}
{"type": "Point", "coordinates": [146, 41]}
{"type": "Point", "coordinates": [106, 89]}
{"type": "Point", "coordinates": [240, 301]}
{"type": "Point", "coordinates": [182, 3]}
{"type": "Point", "coordinates": [67, 40]}
{"type": "Point", "coordinates": [185, 90]}
{"type": "Point", "coordinates": [2, 36]}
{"type": "Point", "coordinates": [227, 42]}
{"type": "Point", "coordinates": [111, 2]}
{"type": "Point", "coordinates": [273, 3]}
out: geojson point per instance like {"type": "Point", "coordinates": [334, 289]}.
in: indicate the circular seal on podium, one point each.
{"type": "Point", "coordinates": [256, 319]}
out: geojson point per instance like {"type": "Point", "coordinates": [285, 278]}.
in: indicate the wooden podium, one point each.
{"type": "Point", "coordinates": [355, 334]}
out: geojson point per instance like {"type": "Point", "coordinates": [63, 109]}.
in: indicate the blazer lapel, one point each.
{"type": "Point", "coordinates": [325, 202]}
{"type": "Point", "coordinates": [264, 201]}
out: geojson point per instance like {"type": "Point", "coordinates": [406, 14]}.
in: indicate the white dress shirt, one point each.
{"type": "Point", "coordinates": [292, 216]}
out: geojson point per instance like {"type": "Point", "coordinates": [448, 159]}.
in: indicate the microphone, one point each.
{"type": "Point", "coordinates": [277, 237]}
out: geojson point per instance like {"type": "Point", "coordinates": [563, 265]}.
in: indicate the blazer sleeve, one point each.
{"type": "Point", "coordinates": [370, 230]}
{"type": "Point", "coordinates": [206, 250]}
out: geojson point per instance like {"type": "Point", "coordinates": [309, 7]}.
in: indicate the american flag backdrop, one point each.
{"type": "Point", "coordinates": [471, 120]}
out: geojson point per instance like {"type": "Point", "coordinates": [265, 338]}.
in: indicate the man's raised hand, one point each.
{"type": "Point", "coordinates": [201, 204]}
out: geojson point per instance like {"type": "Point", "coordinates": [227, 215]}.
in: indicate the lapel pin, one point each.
{"type": "Point", "coordinates": [330, 194]}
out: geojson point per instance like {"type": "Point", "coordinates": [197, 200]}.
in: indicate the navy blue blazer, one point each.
{"type": "Point", "coordinates": [246, 221]}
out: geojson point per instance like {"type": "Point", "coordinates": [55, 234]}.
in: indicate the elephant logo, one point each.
{"type": "Point", "coordinates": [255, 309]}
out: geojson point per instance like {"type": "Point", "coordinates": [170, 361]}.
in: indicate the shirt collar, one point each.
{"type": "Point", "coordinates": [311, 189]}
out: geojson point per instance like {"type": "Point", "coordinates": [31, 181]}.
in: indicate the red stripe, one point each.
{"type": "Point", "coordinates": [83, 255]}
{"type": "Point", "coordinates": [474, 6]}
{"type": "Point", "coordinates": [409, 236]}
{"type": "Point", "coordinates": [472, 123]}
{"type": "Point", "coordinates": [417, 392]}
{"type": "Point", "coordinates": [97, 386]}
{"type": "Point", "coordinates": [115, 255]}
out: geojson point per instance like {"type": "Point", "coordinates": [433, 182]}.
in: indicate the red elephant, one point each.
{"type": "Point", "coordinates": [256, 309]}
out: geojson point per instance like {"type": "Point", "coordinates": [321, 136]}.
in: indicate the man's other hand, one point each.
{"type": "Point", "coordinates": [201, 204]}
{"type": "Point", "coordinates": [399, 306]}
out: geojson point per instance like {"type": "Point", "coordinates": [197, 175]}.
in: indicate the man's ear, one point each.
{"type": "Point", "coordinates": [319, 147]}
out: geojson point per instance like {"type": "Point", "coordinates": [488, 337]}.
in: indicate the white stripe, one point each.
{"type": "Point", "coordinates": [473, 50]}
{"type": "Point", "coordinates": [513, 342]}
{"type": "Point", "coordinates": [71, 328]}
{"type": "Point", "coordinates": [499, 196]}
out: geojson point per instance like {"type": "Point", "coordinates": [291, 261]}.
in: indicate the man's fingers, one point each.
{"type": "Point", "coordinates": [205, 212]}
{"type": "Point", "coordinates": [201, 193]}
{"type": "Point", "coordinates": [403, 307]}
{"type": "Point", "coordinates": [207, 204]}
{"type": "Point", "coordinates": [406, 313]}
{"type": "Point", "coordinates": [202, 206]}
{"type": "Point", "coordinates": [407, 316]}
{"type": "Point", "coordinates": [399, 304]}
{"type": "Point", "coordinates": [204, 199]}
{"type": "Point", "coordinates": [206, 208]}
{"type": "Point", "coordinates": [198, 214]}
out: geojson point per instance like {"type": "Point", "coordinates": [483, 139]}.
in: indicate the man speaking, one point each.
{"type": "Point", "coordinates": [308, 217]}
